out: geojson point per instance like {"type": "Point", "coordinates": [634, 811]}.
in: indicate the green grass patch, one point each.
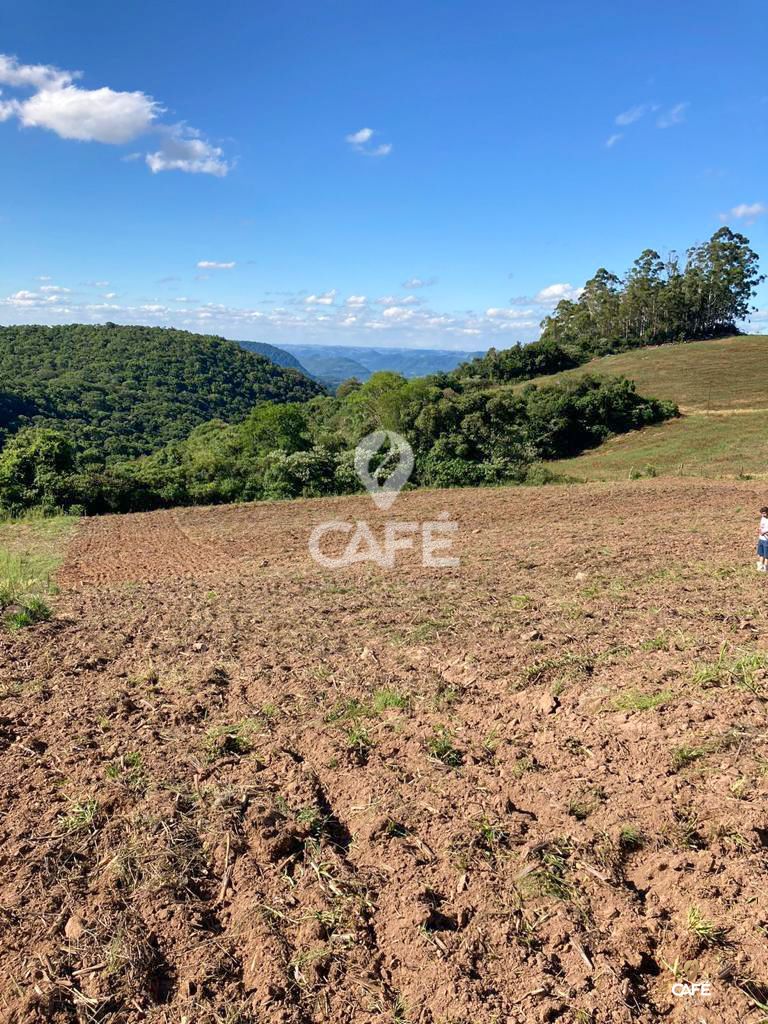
{"type": "Point", "coordinates": [440, 745]}
{"type": "Point", "coordinates": [31, 551]}
{"type": "Point", "coordinates": [352, 709]}
{"type": "Point", "coordinates": [707, 932]}
{"type": "Point", "coordinates": [632, 700]}
{"type": "Point", "coordinates": [80, 817]}
{"type": "Point", "coordinates": [236, 739]}
{"type": "Point", "coordinates": [745, 669]}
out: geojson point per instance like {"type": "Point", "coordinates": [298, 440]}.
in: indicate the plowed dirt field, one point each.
{"type": "Point", "coordinates": [237, 787]}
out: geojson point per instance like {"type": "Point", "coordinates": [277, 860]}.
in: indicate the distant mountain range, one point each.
{"type": "Point", "coordinates": [332, 364]}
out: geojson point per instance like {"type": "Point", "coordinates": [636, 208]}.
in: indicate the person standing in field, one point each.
{"type": "Point", "coordinates": [762, 541]}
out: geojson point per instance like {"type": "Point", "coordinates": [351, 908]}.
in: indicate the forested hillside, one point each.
{"type": "Point", "coordinates": [118, 392]}
{"type": "Point", "coordinates": [289, 450]}
{"type": "Point", "coordinates": [274, 354]}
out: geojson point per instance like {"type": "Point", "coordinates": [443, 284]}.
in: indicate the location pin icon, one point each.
{"type": "Point", "coordinates": [400, 454]}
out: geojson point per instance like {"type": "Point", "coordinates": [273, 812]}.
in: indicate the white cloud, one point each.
{"type": "Point", "coordinates": [556, 292]}
{"type": "Point", "coordinates": [745, 211]}
{"type": "Point", "coordinates": [399, 300]}
{"type": "Point", "coordinates": [418, 282]}
{"type": "Point", "coordinates": [359, 141]}
{"type": "Point", "coordinates": [215, 265]}
{"type": "Point", "coordinates": [54, 288]}
{"type": "Point", "coordinates": [496, 313]}
{"type": "Point", "coordinates": [23, 298]}
{"type": "Point", "coordinates": [103, 115]}
{"type": "Point", "coordinates": [183, 150]}
{"type": "Point", "coordinates": [398, 313]}
{"type": "Point", "coordinates": [631, 115]}
{"type": "Point", "coordinates": [33, 76]}
{"type": "Point", "coordinates": [90, 115]}
{"type": "Point", "coordinates": [357, 300]}
{"type": "Point", "coordinates": [675, 115]}
{"type": "Point", "coordinates": [326, 299]}
{"type": "Point", "coordinates": [613, 139]}
{"type": "Point", "coordinates": [361, 137]}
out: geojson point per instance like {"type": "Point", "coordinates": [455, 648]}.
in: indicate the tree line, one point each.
{"type": "Point", "coordinates": [705, 294]}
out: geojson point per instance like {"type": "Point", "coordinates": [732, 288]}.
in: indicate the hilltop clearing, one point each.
{"type": "Point", "coordinates": [721, 388]}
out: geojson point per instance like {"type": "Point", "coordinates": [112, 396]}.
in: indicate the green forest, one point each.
{"type": "Point", "coordinates": [107, 418]}
{"type": "Point", "coordinates": [460, 437]}
{"type": "Point", "coordinates": [120, 392]}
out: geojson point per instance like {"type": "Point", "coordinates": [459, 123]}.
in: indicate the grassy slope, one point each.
{"type": "Point", "coordinates": [722, 390]}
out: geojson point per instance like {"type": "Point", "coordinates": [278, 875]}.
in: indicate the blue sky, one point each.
{"type": "Point", "coordinates": [431, 174]}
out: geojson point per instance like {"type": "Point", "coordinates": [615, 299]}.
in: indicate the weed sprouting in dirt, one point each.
{"type": "Point", "coordinates": [35, 609]}
{"type": "Point", "coordinates": [359, 741]}
{"type": "Point", "coordinates": [746, 669]}
{"type": "Point", "coordinates": [446, 696]}
{"type": "Point", "coordinates": [564, 667]}
{"type": "Point", "coordinates": [161, 854]}
{"type": "Point", "coordinates": [80, 817]}
{"type": "Point", "coordinates": [583, 1017]}
{"type": "Point", "coordinates": [347, 710]}
{"type": "Point", "coordinates": [586, 801]}
{"type": "Point", "coordinates": [741, 788]}
{"type": "Point", "coordinates": [128, 771]}
{"type": "Point", "coordinates": [708, 933]}
{"type": "Point", "coordinates": [236, 739]}
{"type": "Point", "coordinates": [491, 837]}
{"type": "Point", "coordinates": [440, 746]}
{"type": "Point", "coordinates": [580, 810]}
{"type": "Point", "coordinates": [634, 701]}
{"type": "Point", "coordinates": [352, 708]}
{"type": "Point", "coordinates": [685, 830]}
{"type": "Point", "coordinates": [631, 838]}
{"type": "Point", "coordinates": [426, 632]}
{"type": "Point", "coordinates": [549, 876]}
{"type": "Point", "coordinates": [684, 756]}
{"type": "Point", "coordinates": [523, 764]}
{"type": "Point", "coordinates": [386, 699]}
{"type": "Point", "coordinates": [491, 744]}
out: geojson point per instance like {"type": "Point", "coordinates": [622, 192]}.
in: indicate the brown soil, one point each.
{"type": "Point", "coordinates": [238, 787]}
